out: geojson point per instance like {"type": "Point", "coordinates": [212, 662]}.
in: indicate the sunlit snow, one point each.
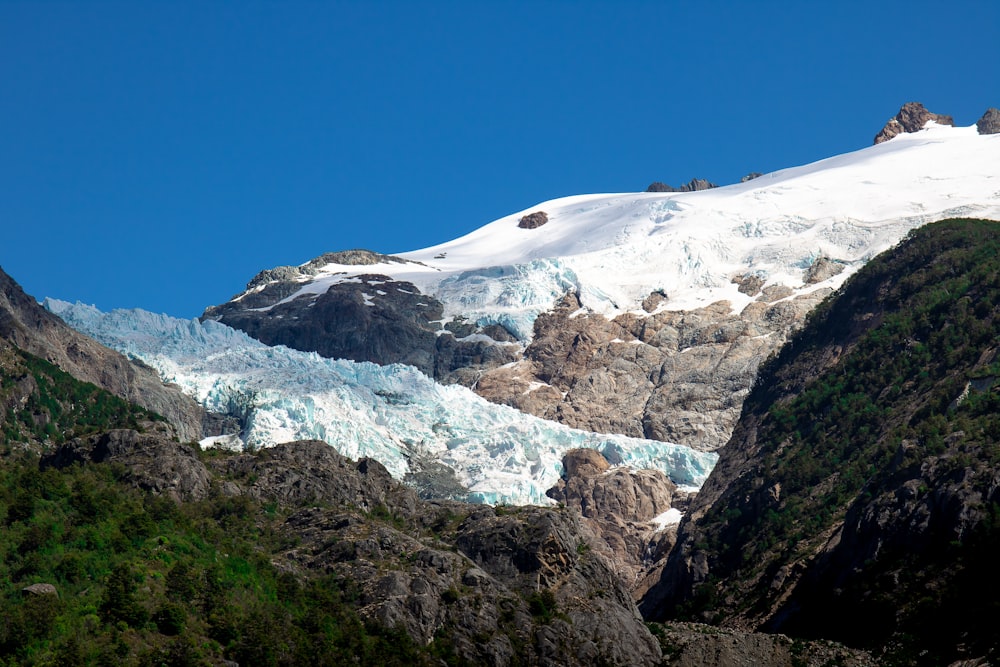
{"type": "Point", "coordinates": [390, 413]}
{"type": "Point", "coordinates": [670, 517]}
{"type": "Point", "coordinates": [614, 249]}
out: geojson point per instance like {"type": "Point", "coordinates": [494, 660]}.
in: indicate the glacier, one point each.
{"type": "Point", "coordinates": [393, 414]}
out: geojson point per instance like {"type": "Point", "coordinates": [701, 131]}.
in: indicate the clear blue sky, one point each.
{"type": "Point", "coordinates": [159, 154]}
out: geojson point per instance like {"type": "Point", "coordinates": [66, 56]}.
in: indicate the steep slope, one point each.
{"type": "Point", "coordinates": [443, 439]}
{"type": "Point", "coordinates": [858, 498]}
{"type": "Point", "coordinates": [41, 404]}
{"type": "Point", "coordinates": [29, 327]}
{"type": "Point", "coordinates": [669, 301]}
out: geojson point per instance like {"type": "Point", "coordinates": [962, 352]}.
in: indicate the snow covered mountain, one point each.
{"type": "Point", "coordinates": [614, 250]}
{"type": "Point", "coordinates": [394, 414]}
{"type": "Point", "coordinates": [644, 314]}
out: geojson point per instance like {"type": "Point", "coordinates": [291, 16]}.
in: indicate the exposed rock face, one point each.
{"type": "Point", "coordinates": [912, 117]}
{"type": "Point", "coordinates": [677, 376]}
{"type": "Point", "coordinates": [674, 376]}
{"type": "Point", "coordinates": [694, 185]}
{"type": "Point", "coordinates": [311, 471]}
{"type": "Point", "coordinates": [822, 269]}
{"type": "Point", "coordinates": [533, 220]}
{"type": "Point", "coordinates": [25, 324]}
{"type": "Point", "coordinates": [154, 463]}
{"type": "Point", "coordinates": [619, 505]}
{"type": "Point", "coordinates": [990, 122]}
{"type": "Point", "coordinates": [752, 175]}
{"type": "Point", "coordinates": [499, 586]}
{"type": "Point", "coordinates": [370, 318]}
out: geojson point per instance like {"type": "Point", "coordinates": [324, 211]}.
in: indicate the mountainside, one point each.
{"type": "Point", "coordinates": [858, 498]}
{"type": "Point", "coordinates": [643, 314]}
{"type": "Point", "coordinates": [30, 328]}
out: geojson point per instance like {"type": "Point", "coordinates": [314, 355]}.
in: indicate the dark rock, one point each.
{"type": "Point", "coordinates": [371, 318]}
{"type": "Point", "coordinates": [891, 129]}
{"type": "Point", "coordinates": [990, 122]}
{"type": "Point", "coordinates": [752, 175]}
{"type": "Point", "coordinates": [749, 284]}
{"type": "Point", "coordinates": [697, 184]}
{"type": "Point", "coordinates": [533, 220]}
{"type": "Point", "coordinates": [694, 185]}
{"type": "Point", "coordinates": [912, 117]}
{"type": "Point", "coordinates": [312, 471]}
{"type": "Point", "coordinates": [155, 463]}
{"type": "Point", "coordinates": [697, 645]}
{"type": "Point", "coordinates": [653, 301]}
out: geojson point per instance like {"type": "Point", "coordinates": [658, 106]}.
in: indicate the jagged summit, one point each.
{"type": "Point", "coordinates": [912, 117]}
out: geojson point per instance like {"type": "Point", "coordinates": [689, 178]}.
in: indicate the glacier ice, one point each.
{"type": "Point", "coordinates": [391, 413]}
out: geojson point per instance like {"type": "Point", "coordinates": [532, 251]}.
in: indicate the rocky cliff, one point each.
{"type": "Point", "coordinates": [29, 327]}
{"type": "Point", "coordinates": [370, 317]}
{"type": "Point", "coordinates": [857, 499]}
{"type": "Point", "coordinates": [677, 376]}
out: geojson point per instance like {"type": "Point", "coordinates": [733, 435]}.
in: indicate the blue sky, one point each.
{"type": "Point", "coordinates": [159, 154]}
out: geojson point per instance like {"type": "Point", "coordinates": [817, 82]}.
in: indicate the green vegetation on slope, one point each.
{"type": "Point", "coordinates": [39, 402]}
{"type": "Point", "coordinates": [881, 416]}
{"type": "Point", "coordinates": [142, 580]}
{"type": "Point", "coordinates": [138, 578]}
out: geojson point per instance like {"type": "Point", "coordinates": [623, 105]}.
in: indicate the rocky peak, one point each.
{"type": "Point", "coordinates": [912, 117]}
{"type": "Point", "coordinates": [694, 185]}
{"type": "Point", "coordinates": [990, 122]}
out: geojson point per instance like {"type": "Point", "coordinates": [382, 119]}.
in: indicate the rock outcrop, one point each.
{"type": "Point", "coordinates": [696, 645]}
{"type": "Point", "coordinates": [370, 318]}
{"type": "Point", "coordinates": [619, 506]}
{"type": "Point", "coordinates": [912, 117]}
{"type": "Point", "coordinates": [28, 326]}
{"type": "Point", "coordinates": [533, 220]}
{"type": "Point", "coordinates": [153, 462]}
{"type": "Point", "coordinates": [990, 122]}
{"type": "Point", "coordinates": [504, 585]}
{"type": "Point", "coordinates": [677, 376]}
{"type": "Point", "coordinates": [497, 586]}
{"type": "Point", "coordinates": [694, 185]}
